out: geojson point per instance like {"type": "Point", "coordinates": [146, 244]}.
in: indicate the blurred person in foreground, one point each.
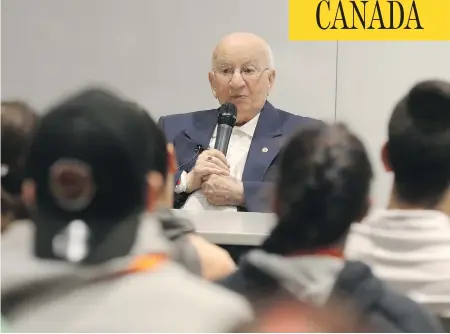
{"type": "Point", "coordinates": [323, 186]}
{"type": "Point", "coordinates": [95, 166]}
{"type": "Point", "coordinates": [18, 123]}
{"type": "Point", "coordinates": [408, 244]}
{"type": "Point", "coordinates": [293, 316]}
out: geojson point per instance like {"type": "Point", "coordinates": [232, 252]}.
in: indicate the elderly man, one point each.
{"type": "Point", "coordinates": [242, 73]}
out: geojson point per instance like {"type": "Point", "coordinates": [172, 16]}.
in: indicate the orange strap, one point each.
{"type": "Point", "coordinates": [331, 251]}
{"type": "Point", "coordinates": [140, 264]}
{"type": "Point", "coordinates": [146, 262]}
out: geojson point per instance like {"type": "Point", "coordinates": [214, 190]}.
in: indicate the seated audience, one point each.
{"type": "Point", "coordinates": [407, 245]}
{"type": "Point", "coordinates": [323, 186]}
{"type": "Point", "coordinates": [95, 166]}
{"type": "Point", "coordinates": [18, 126]}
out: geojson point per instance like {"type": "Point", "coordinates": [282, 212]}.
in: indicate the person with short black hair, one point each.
{"type": "Point", "coordinates": [98, 168]}
{"type": "Point", "coordinates": [408, 244]}
{"type": "Point", "coordinates": [18, 124]}
{"type": "Point", "coordinates": [323, 186]}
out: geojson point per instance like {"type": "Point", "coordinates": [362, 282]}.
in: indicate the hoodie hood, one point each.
{"type": "Point", "coordinates": [317, 278]}
{"type": "Point", "coordinates": [309, 278]}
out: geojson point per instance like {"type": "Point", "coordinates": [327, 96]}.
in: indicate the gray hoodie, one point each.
{"type": "Point", "coordinates": [58, 296]}
{"type": "Point", "coordinates": [318, 279]}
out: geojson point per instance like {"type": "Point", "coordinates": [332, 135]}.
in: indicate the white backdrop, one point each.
{"type": "Point", "coordinates": [371, 79]}
{"type": "Point", "coordinates": [157, 52]}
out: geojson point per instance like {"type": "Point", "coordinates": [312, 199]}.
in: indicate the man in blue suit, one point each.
{"type": "Point", "coordinates": [243, 74]}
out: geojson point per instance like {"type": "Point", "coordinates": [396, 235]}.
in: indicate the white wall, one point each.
{"type": "Point", "coordinates": [158, 52]}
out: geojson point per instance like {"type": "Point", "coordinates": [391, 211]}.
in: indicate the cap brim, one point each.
{"type": "Point", "coordinates": [99, 245]}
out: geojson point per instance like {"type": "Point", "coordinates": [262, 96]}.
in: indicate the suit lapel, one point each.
{"type": "Point", "coordinates": [198, 133]}
{"type": "Point", "coordinates": [265, 145]}
{"type": "Point", "coordinates": [203, 127]}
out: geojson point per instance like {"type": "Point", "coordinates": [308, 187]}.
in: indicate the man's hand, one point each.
{"type": "Point", "coordinates": [223, 190]}
{"type": "Point", "coordinates": [209, 162]}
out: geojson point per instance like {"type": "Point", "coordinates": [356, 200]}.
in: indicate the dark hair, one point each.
{"type": "Point", "coordinates": [323, 187]}
{"type": "Point", "coordinates": [159, 162]}
{"type": "Point", "coordinates": [419, 143]}
{"type": "Point", "coordinates": [19, 123]}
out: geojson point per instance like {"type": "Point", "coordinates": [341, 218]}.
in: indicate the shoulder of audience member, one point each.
{"type": "Point", "coordinates": [408, 315]}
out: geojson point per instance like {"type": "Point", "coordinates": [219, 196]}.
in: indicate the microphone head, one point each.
{"type": "Point", "coordinates": [227, 114]}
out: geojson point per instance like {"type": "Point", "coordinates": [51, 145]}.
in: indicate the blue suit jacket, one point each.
{"type": "Point", "coordinates": [190, 133]}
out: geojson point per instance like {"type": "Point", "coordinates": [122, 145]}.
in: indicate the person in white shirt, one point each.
{"type": "Point", "coordinates": [242, 73]}
{"type": "Point", "coordinates": [408, 244]}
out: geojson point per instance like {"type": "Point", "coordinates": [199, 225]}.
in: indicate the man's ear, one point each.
{"type": "Point", "coordinates": [272, 77]}
{"type": "Point", "coordinates": [385, 158]}
{"type": "Point", "coordinates": [212, 83]}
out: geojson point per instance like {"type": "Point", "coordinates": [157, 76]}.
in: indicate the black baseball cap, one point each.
{"type": "Point", "coordinates": [89, 161]}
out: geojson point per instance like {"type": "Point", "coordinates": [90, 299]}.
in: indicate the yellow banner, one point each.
{"type": "Point", "coordinates": [369, 20]}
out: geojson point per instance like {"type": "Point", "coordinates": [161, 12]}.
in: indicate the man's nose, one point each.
{"type": "Point", "coordinates": [237, 81]}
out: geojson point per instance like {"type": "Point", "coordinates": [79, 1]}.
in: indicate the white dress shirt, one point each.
{"type": "Point", "coordinates": [240, 141]}
{"type": "Point", "coordinates": [410, 251]}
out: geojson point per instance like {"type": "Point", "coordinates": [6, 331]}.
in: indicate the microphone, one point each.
{"type": "Point", "coordinates": [225, 124]}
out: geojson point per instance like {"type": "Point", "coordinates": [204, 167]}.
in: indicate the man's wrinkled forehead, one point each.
{"type": "Point", "coordinates": [240, 55]}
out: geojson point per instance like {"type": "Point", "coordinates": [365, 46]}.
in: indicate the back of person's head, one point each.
{"type": "Point", "coordinates": [18, 124]}
{"type": "Point", "coordinates": [418, 150]}
{"type": "Point", "coordinates": [323, 187]}
{"type": "Point", "coordinates": [89, 162]}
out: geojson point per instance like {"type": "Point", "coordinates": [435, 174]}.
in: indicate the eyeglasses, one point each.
{"type": "Point", "coordinates": [248, 72]}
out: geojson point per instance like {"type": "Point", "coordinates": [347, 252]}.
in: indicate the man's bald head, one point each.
{"type": "Point", "coordinates": [237, 39]}
{"type": "Point", "coordinates": [242, 73]}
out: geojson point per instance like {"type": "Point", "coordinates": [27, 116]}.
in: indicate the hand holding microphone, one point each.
{"type": "Point", "coordinates": [208, 162]}
{"type": "Point", "coordinates": [213, 161]}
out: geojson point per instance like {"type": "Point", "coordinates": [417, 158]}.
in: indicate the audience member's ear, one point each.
{"type": "Point", "coordinates": [155, 186]}
{"type": "Point", "coordinates": [172, 167]}
{"type": "Point", "coordinates": [28, 194]}
{"type": "Point", "coordinates": [385, 158]}
{"type": "Point", "coordinates": [172, 164]}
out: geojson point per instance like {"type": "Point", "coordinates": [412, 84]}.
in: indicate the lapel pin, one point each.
{"type": "Point", "coordinates": [265, 149]}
